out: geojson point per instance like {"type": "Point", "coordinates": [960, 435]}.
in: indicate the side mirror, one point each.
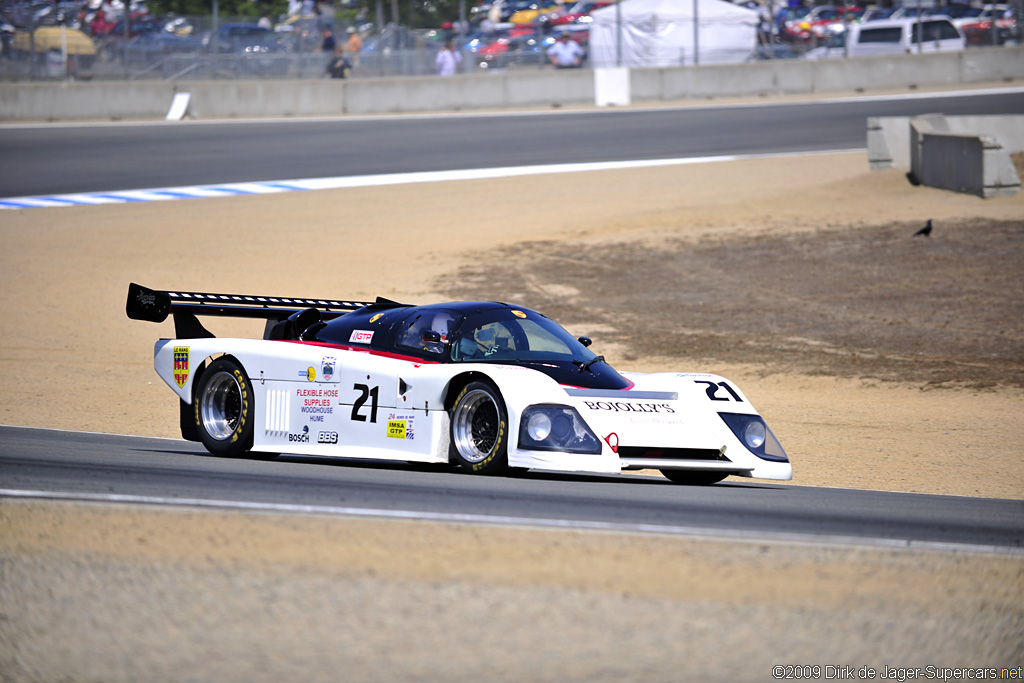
{"type": "Point", "coordinates": [431, 336]}
{"type": "Point", "coordinates": [586, 341]}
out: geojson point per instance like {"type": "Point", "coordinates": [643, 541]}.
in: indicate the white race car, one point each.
{"type": "Point", "coordinates": [484, 385]}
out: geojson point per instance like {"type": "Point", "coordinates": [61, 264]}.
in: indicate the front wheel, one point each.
{"type": "Point", "coordinates": [223, 405]}
{"type": "Point", "coordinates": [694, 478]}
{"type": "Point", "coordinates": [479, 429]}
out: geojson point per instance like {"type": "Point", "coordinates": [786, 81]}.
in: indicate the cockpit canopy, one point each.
{"type": "Point", "coordinates": [474, 332]}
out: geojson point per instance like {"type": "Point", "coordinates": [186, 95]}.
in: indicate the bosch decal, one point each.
{"type": "Point", "coordinates": [300, 438]}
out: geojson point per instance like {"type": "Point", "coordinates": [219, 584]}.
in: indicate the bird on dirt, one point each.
{"type": "Point", "coordinates": [926, 230]}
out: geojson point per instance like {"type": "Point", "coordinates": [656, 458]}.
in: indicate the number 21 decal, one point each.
{"type": "Point", "coordinates": [712, 390]}
{"type": "Point", "coordinates": [365, 392]}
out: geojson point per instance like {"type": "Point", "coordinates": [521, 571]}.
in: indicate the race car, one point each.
{"type": "Point", "coordinates": [486, 386]}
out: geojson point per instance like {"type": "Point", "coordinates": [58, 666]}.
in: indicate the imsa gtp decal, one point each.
{"type": "Point", "coordinates": [361, 337]}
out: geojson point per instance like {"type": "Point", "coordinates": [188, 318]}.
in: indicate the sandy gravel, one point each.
{"type": "Point", "coordinates": [107, 594]}
{"type": "Point", "coordinates": [96, 593]}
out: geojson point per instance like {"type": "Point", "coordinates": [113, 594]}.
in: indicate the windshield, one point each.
{"type": "Point", "coordinates": [521, 336]}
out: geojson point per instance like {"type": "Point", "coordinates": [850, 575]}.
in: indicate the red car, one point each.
{"type": "Point", "coordinates": [815, 26]}
{"type": "Point", "coordinates": [578, 13]}
{"type": "Point", "coordinates": [994, 26]}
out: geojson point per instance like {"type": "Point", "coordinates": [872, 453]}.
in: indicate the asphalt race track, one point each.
{"type": "Point", "coordinates": [162, 471]}
{"type": "Point", "coordinates": [73, 158]}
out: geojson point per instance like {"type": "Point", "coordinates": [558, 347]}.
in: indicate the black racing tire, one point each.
{"type": "Point", "coordinates": [478, 428]}
{"type": "Point", "coordinates": [694, 478]}
{"type": "Point", "coordinates": [223, 405]}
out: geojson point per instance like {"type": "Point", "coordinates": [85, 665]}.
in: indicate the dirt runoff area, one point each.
{"type": "Point", "coordinates": [881, 360]}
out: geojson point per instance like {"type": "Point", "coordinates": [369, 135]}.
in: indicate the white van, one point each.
{"type": "Point", "coordinates": [894, 37]}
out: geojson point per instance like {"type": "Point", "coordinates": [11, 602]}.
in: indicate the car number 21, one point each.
{"type": "Point", "coordinates": [365, 392]}
{"type": "Point", "coordinates": [713, 387]}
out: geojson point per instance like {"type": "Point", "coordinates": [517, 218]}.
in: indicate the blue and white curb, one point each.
{"type": "Point", "coordinates": [276, 186]}
{"type": "Point", "coordinates": [155, 195]}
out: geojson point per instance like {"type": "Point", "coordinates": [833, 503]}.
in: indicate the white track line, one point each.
{"type": "Point", "coordinates": [341, 182]}
{"type": "Point", "coordinates": [521, 522]}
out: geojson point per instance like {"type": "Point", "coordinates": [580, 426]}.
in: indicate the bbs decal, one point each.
{"type": "Point", "coordinates": [714, 391]}
{"type": "Point", "coordinates": [327, 437]}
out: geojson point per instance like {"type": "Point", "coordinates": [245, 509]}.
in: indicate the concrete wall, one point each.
{"type": "Point", "coordinates": [542, 88]}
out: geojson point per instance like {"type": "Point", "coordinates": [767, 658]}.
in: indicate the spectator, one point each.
{"type": "Point", "coordinates": [566, 53]}
{"type": "Point", "coordinates": [99, 25]}
{"type": "Point", "coordinates": [339, 66]}
{"type": "Point", "coordinates": [265, 22]}
{"type": "Point", "coordinates": [354, 44]}
{"type": "Point", "coordinates": [328, 43]}
{"type": "Point", "coordinates": [448, 60]}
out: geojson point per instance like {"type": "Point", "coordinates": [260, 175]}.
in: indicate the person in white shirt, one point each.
{"type": "Point", "coordinates": [566, 53]}
{"type": "Point", "coordinates": [448, 60]}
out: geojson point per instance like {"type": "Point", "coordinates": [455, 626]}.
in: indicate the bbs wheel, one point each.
{"type": "Point", "coordinates": [694, 478]}
{"type": "Point", "coordinates": [224, 408]}
{"type": "Point", "coordinates": [479, 429]}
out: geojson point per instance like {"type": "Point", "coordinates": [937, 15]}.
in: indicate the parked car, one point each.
{"type": "Point", "coordinates": [242, 38]}
{"type": "Point", "coordinates": [816, 27]}
{"type": "Point", "coordinates": [531, 13]}
{"type": "Point", "coordinates": [958, 14]}
{"type": "Point", "coordinates": [892, 37]}
{"type": "Point", "coordinates": [994, 25]}
{"type": "Point", "coordinates": [578, 13]}
{"type": "Point", "coordinates": [151, 47]}
{"type": "Point", "coordinates": [877, 14]}
{"type": "Point", "coordinates": [137, 25]}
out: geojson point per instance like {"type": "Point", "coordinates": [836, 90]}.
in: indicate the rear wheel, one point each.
{"type": "Point", "coordinates": [223, 406]}
{"type": "Point", "coordinates": [479, 429]}
{"type": "Point", "coordinates": [694, 478]}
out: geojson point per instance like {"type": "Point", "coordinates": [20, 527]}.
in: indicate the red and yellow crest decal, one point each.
{"type": "Point", "coordinates": [518, 314]}
{"type": "Point", "coordinates": [180, 365]}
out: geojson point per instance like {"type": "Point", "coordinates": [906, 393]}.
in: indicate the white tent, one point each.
{"type": "Point", "coordinates": [661, 33]}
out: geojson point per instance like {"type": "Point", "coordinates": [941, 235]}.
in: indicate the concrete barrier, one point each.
{"type": "Point", "coordinates": [890, 143]}
{"type": "Point", "coordinates": [541, 88]}
{"type": "Point", "coordinates": [974, 164]}
{"type": "Point", "coordinates": [965, 160]}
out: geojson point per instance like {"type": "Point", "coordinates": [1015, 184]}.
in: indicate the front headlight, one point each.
{"type": "Point", "coordinates": [755, 435]}
{"type": "Point", "coordinates": [556, 428]}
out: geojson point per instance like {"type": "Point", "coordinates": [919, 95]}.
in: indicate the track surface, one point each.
{"type": "Point", "coordinates": [79, 463]}
{"type": "Point", "coordinates": [56, 159]}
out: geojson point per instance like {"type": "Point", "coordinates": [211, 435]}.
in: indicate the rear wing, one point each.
{"type": "Point", "coordinates": [155, 305]}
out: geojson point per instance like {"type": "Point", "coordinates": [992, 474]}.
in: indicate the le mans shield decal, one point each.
{"type": "Point", "coordinates": [181, 365]}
